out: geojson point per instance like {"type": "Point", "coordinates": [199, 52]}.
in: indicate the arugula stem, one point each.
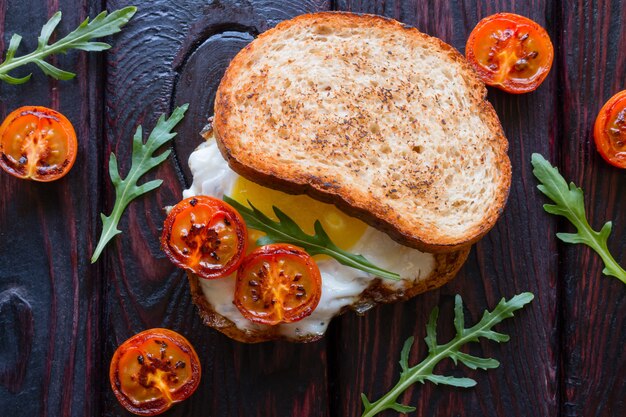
{"type": "Point", "coordinates": [285, 230]}
{"type": "Point", "coordinates": [610, 263]}
{"type": "Point", "coordinates": [379, 272]}
{"type": "Point", "coordinates": [5, 67]}
{"type": "Point", "coordinates": [143, 160]}
{"type": "Point", "coordinates": [420, 371]}
{"type": "Point", "coordinates": [569, 203]}
{"type": "Point", "coordinates": [424, 370]}
{"type": "Point", "coordinates": [102, 25]}
{"type": "Point", "coordinates": [601, 248]}
{"type": "Point", "coordinates": [391, 397]}
{"type": "Point", "coordinates": [107, 234]}
{"type": "Point", "coordinates": [316, 249]}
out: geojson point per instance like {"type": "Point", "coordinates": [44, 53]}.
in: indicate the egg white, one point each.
{"type": "Point", "coordinates": [341, 285]}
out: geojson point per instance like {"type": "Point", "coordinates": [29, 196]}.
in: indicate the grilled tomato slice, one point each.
{"type": "Point", "coordinates": [153, 370]}
{"type": "Point", "coordinates": [37, 143]}
{"type": "Point", "coordinates": [277, 283]}
{"type": "Point", "coordinates": [205, 235]}
{"type": "Point", "coordinates": [510, 52]}
{"type": "Point", "coordinates": [610, 130]}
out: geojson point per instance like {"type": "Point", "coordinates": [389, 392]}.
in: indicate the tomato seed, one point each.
{"type": "Point", "coordinates": [521, 64]}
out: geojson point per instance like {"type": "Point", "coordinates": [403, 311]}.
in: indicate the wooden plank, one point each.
{"type": "Point", "coordinates": [50, 362]}
{"type": "Point", "coordinates": [171, 54]}
{"type": "Point", "coordinates": [519, 254]}
{"type": "Point", "coordinates": [592, 70]}
{"type": "Point", "coordinates": [54, 353]}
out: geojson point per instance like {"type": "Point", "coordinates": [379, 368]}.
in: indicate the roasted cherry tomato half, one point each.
{"type": "Point", "coordinates": [206, 236]}
{"type": "Point", "coordinates": [277, 283]}
{"type": "Point", "coordinates": [510, 52]}
{"type": "Point", "coordinates": [37, 143]}
{"type": "Point", "coordinates": [153, 370]}
{"type": "Point", "coordinates": [610, 130]}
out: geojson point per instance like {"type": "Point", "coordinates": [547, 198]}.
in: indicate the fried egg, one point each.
{"type": "Point", "coordinates": [341, 285]}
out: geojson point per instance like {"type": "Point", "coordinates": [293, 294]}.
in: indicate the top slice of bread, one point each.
{"type": "Point", "coordinates": [387, 123]}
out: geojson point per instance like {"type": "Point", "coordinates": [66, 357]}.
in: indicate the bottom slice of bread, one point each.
{"type": "Point", "coordinates": [447, 266]}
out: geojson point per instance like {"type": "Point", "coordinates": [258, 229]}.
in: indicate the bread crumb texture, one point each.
{"type": "Point", "coordinates": [384, 119]}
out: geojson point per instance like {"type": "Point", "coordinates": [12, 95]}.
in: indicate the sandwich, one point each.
{"type": "Point", "coordinates": [359, 129]}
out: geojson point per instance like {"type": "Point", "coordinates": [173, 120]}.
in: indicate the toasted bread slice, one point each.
{"type": "Point", "coordinates": [446, 267]}
{"type": "Point", "coordinates": [387, 123]}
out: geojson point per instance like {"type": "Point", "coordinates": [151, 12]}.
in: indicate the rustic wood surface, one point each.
{"type": "Point", "coordinates": [61, 318]}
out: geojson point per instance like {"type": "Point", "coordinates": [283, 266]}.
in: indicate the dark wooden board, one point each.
{"type": "Point", "coordinates": [61, 318]}
{"type": "Point", "coordinates": [50, 294]}
{"type": "Point", "coordinates": [518, 255]}
{"type": "Point", "coordinates": [594, 313]}
{"type": "Point", "coordinates": [180, 58]}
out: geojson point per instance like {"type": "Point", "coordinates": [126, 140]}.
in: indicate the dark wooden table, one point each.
{"type": "Point", "coordinates": [61, 318]}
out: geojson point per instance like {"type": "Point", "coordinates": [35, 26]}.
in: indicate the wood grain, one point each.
{"type": "Point", "coordinates": [61, 318]}
{"type": "Point", "coordinates": [51, 293]}
{"type": "Point", "coordinates": [16, 321]}
{"type": "Point", "coordinates": [594, 335]}
{"type": "Point", "coordinates": [519, 254]}
{"type": "Point", "coordinates": [180, 52]}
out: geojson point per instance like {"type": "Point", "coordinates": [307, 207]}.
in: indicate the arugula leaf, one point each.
{"type": "Point", "coordinates": [143, 160]}
{"type": "Point", "coordinates": [569, 203]}
{"type": "Point", "coordinates": [285, 230]}
{"type": "Point", "coordinates": [102, 25]}
{"type": "Point", "coordinates": [423, 371]}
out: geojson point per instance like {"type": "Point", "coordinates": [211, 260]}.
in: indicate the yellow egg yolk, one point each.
{"type": "Point", "coordinates": [342, 229]}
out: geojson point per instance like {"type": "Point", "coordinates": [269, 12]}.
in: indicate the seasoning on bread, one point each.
{"type": "Point", "coordinates": [387, 123]}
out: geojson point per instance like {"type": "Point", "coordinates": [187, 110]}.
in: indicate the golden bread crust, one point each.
{"type": "Point", "coordinates": [261, 129]}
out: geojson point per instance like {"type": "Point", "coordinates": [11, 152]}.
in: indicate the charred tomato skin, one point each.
{"type": "Point", "coordinates": [153, 370]}
{"type": "Point", "coordinates": [206, 236]}
{"type": "Point", "coordinates": [37, 143]}
{"type": "Point", "coordinates": [609, 130]}
{"type": "Point", "coordinates": [510, 52]}
{"type": "Point", "coordinates": [277, 283]}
